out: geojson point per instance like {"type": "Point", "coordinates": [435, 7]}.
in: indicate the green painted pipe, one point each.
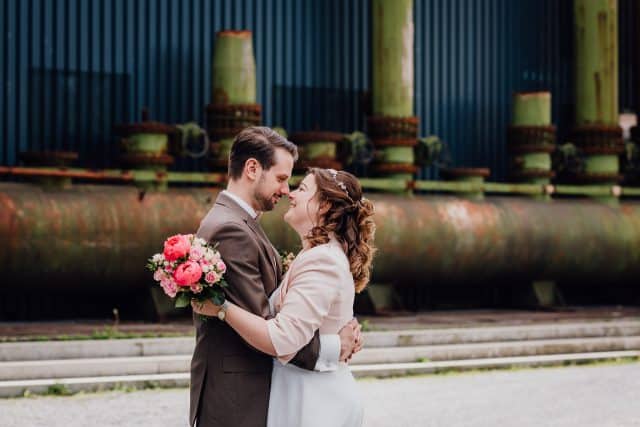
{"type": "Point", "coordinates": [234, 68]}
{"type": "Point", "coordinates": [392, 52]}
{"type": "Point", "coordinates": [396, 155]}
{"type": "Point", "coordinates": [604, 163]}
{"type": "Point", "coordinates": [536, 161]}
{"type": "Point", "coordinates": [150, 143]}
{"type": "Point", "coordinates": [531, 109]}
{"type": "Point", "coordinates": [596, 53]}
{"type": "Point", "coordinates": [318, 149]}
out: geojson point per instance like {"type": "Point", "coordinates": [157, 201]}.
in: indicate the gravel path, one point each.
{"type": "Point", "coordinates": [588, 396]}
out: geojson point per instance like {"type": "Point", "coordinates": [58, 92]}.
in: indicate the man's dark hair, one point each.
{"type": "Point", "coordinates": [260, 143]}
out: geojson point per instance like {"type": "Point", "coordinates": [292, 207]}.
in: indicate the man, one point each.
{"type": "Point", "coordinates": [230, 381]}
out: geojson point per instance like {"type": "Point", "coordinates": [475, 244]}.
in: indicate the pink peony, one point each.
{"type": "Point", "coordinates": [187, 273]}
{"type": "Point", "coordinates": [221, 267]}
{"type": "Point", "coordinates": [211, 277]}
{"type": "Point", "coordinates": [176, 247]}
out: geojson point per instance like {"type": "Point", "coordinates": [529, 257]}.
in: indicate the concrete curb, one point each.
{"type": "Point", "coordinates": [56, 350]}
{"type": "Point", "coordinates": [18, 388]}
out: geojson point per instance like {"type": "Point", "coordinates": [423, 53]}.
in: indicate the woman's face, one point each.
{"type": "Point", "coordinates": [302, 215]}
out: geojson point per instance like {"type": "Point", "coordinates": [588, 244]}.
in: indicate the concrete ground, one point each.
{"type": "Point", "coordinates": [385, 321]}
{"type": "Point", "coordinates": [585, 396]}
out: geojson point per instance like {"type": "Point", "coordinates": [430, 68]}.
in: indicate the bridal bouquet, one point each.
{"type": "Point", "coordinates": [189, 268]}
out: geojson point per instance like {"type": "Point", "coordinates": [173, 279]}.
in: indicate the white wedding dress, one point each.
{"type": "Point", "coordinates": [316, 293]}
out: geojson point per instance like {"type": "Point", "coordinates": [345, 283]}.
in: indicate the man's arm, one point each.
{"type": "Point", "coordinates": [325, 351]}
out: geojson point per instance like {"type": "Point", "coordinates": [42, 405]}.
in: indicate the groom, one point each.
{"type": "Point", "coordinates": [230, 381]}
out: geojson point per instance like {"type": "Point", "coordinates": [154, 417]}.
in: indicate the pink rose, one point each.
{"type": "Point", "coordinates": [169, 286]}
{"type": "Point", "coordinates": [187, 273]}
{"type": "Point", "coordinates": [221, 267]}
{"type": "Point", "coordinates": [211, 277]}
{"type": "Point", "coordinates": [158, 275]}
{"type": "Point", "coordinates": [176, 247]}
{"type": "Point", "coordinates": [196, 289]}
{"type": "Point", "coordinates": [195, 254]}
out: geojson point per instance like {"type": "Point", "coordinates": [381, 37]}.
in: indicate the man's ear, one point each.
{"type": "Point", "coordinates": [252, 169]}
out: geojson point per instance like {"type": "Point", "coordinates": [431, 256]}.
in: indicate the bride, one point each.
{"type": "Point", "coordinates": [335, 224]}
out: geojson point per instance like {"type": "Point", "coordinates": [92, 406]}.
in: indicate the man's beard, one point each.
{"type": "Point", "coordinates": [264, 203]}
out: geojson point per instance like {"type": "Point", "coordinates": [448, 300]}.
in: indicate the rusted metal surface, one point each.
{"type": "Point", "coordinates": [393, 127]}
{"type": "Point", "coordinates": [98, 237]}
{"type": "Point", "coordinates": [145, 126]}
{"type": "Point", "coordinates": [90, 237]}
{"type": "Point", "coordinates": [424, 241]}
{"type": "Point", "coordinates": [316, 136]}
{"type": "Point", "coordinates": [531, 135]}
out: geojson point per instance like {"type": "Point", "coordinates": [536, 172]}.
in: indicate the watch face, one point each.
{"type": "Point", "coordinates": [221, 315]}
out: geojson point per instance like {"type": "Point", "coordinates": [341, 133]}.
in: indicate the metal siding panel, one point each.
{"type": "Point", "coordinates": [7, 150]}
{"type": "Point", "coordinates": [470, 56]}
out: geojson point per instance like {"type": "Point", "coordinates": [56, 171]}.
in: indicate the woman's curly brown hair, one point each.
{"type": "Point", "coordinates": [349, 217]}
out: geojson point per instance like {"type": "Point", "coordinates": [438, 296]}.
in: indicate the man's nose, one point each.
{"type": "Point", "coordinates": [285, 189]}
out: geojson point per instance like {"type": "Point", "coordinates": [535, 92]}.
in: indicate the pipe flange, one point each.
{"type": "Point", "coordinates": [393, 168]}
{"type": "Point", "coordinates": [531, 135]}
{"type": "Point", "coordinates": [319, 162]}
{"type": "Point", "coordinates": [395, 142]}
{"type": "Point", "coordinates": [141, 159]}
{"type": "Point", "coordinates": [143, 127]}
{"type": "Point", "coordinates": [315, 136]}
{"type": "Point", "coordinates": [216, 134]}
{"type": "Point", "coordinates": [234, 109]}
{"type": "Point", "coordinates": [599, 135]}
{"type": "Point", "coordinates": [385, 127]}
{"type": "Point", "coordinates": [531, 149]}
{"type": "Point", "coordinates": [465, 172]}
{"type": "Point", "coordinates": [603, 149]}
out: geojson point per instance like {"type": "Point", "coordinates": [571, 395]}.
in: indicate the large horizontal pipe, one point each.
{"type": "Point", "coordinates": [98, 237]}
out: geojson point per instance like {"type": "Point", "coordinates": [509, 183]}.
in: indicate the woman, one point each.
{"type": "Point", "coordinates": [335, 225]}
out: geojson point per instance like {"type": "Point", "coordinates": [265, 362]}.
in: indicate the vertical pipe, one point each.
{"type": "Point", "coordinates": [234, 68]}
{"type": "Point", "coordinates": [596, 50]}
{"type": "Point", "coordinates": [393, 58]}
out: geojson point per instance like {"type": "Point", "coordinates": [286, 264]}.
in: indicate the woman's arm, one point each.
{"type": "Point", "coordinates": [313, 289]}
{"type": "Point", "coordinates": [253, 329]}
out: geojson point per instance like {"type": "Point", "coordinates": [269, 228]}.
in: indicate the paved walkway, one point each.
{"type": "Point", "coordinates": [588, 396]}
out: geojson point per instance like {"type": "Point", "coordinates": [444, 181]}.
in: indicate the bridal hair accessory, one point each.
{"type": "Point", "coordinates": [334, 174]}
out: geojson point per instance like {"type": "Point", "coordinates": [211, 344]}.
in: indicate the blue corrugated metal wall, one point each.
{"type": "Point", "coordinates": [72, 68]}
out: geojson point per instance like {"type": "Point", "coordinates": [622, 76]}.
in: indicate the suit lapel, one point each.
{"type": "Point", "coordinates": [270, 251]}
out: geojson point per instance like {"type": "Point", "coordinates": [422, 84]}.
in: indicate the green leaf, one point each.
{"type": "Point", "coordinates": [218, 298]}
{"type": "Point", "coordinates": [223, 283]}
{"type": "Point", "coordinates": [183, 300]}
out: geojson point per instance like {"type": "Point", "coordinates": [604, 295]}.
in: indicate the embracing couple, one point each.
{"type": "Point", "coordinates": [276, 352]}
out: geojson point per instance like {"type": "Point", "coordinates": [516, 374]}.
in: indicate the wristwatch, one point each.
{"type": "Point", "coordinates": [222, 313]}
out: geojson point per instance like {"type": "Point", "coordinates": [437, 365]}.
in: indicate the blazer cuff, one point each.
{"type": "Point", "coordinates": [329, 353]}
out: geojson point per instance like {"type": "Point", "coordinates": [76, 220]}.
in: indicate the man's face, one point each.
{"type": "Point", "coordinates": [274, 183]}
